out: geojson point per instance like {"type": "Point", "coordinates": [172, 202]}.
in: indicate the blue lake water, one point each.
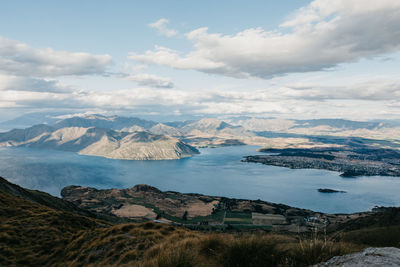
{"type": "Point", "coordinates": [216, 171]}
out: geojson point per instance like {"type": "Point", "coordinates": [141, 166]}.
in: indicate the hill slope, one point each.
{"type": "Point", "coordinates": [37, 229]}
{"type": "Point", "coordinates": [100, 142]}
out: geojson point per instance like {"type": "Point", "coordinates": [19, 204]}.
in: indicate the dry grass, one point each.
{"type": "Point", "coordinates": [246, 250]}
{"type": "Point", "coordinates": [32, 234]}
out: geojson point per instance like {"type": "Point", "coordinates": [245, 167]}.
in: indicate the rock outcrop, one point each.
{"type": "Point", "coordinates": [373, 257]}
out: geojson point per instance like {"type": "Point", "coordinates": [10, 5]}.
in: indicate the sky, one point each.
{"type": "Point", "coordinates": [169, 60]}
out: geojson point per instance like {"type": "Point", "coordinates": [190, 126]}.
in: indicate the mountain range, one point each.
{"type": "Point", "coordinates": [137, 139]}
{"type": "Point", "coordinates": [328, 126]}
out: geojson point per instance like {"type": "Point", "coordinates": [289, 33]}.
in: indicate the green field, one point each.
{"type": "Point", "coordinates": [237, 218]}
{"type": "Point", "coordinates": [237, 221]}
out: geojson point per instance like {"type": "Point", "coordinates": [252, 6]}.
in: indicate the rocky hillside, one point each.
{"type": "Point", "coordinates": [161, 128]}
{"type": "Point", "coordinates": [100, 142]}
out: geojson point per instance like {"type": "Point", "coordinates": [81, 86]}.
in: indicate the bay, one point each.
{"type": "Point", "coordinates": [216, 171]}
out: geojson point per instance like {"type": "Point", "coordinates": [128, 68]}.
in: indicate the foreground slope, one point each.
{"type": "Point", "coordinates": [37, 229]}
{"type": "Point", "coordinates": [48, 234]}
{"type": "Point", "coordinates": [41, 198]}
{"type": "Point", "coordinates": [34, 226]}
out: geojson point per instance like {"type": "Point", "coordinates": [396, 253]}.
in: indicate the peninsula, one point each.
{"type": "Point", "coordinates": [349, 161]}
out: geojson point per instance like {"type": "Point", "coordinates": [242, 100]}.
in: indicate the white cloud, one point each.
{"type": "Point", "coordinates": [142, 101]}
{"type": "Point", "coordinates": [19, 59]}
{"type": "Point", "coordinates": [144, 79]}
{"type": "Point", "coordinates": [18, 83]}
{"type": "Point", "coordinates": [161, 26]}
{"type": "Point", "coordinates": [375, 90]}
{"type": "Point", "coordinates": [364, 101]}
{"type": "Point", "coordinates": [319, 36]}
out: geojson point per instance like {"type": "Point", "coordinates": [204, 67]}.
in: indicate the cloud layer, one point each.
{"type": "Point", "coordinates": [318, 37]}
{"type": "Point", "coordinates": [305, 100]}
{"type": "Point", "coordinates": [19, 59]}
{"type": "Point", "coordinates": [374, 90]}
{"type": "Point", "coordinates": [18, 83]}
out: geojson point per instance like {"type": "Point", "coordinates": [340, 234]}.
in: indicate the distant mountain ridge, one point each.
{"type": "Point", "coordinates": [110, 141]}
{"type": "Point", "coordinates": [30, 119]}
{"type": "Point", "coordinates": [100, 121]}
{"type": "Point", "coordinates": [161, 128]}
{"type": "Point", "coordinates": [249, 123]}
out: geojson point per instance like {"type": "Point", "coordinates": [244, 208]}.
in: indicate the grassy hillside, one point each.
{"type": "Point", "coordinates": [377, 229]}
{"type": "Point", "coordinates": [34, 234]}
{"type": "Point", "coordinates": [48, 234]}
{"type": "Point", "coordinates": [42, 198]}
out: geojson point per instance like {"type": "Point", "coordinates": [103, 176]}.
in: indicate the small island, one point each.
{"type": "Point", "coordinates": [327, 190]}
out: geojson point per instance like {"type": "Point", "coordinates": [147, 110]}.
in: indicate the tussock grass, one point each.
{"type": "Point", "coordinates": [245, 250]}
{"type": "Point", "coordinates": [387, 236]}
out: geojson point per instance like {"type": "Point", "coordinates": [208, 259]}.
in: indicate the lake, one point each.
{"type": "Point", "coordinates": [216, 171]}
